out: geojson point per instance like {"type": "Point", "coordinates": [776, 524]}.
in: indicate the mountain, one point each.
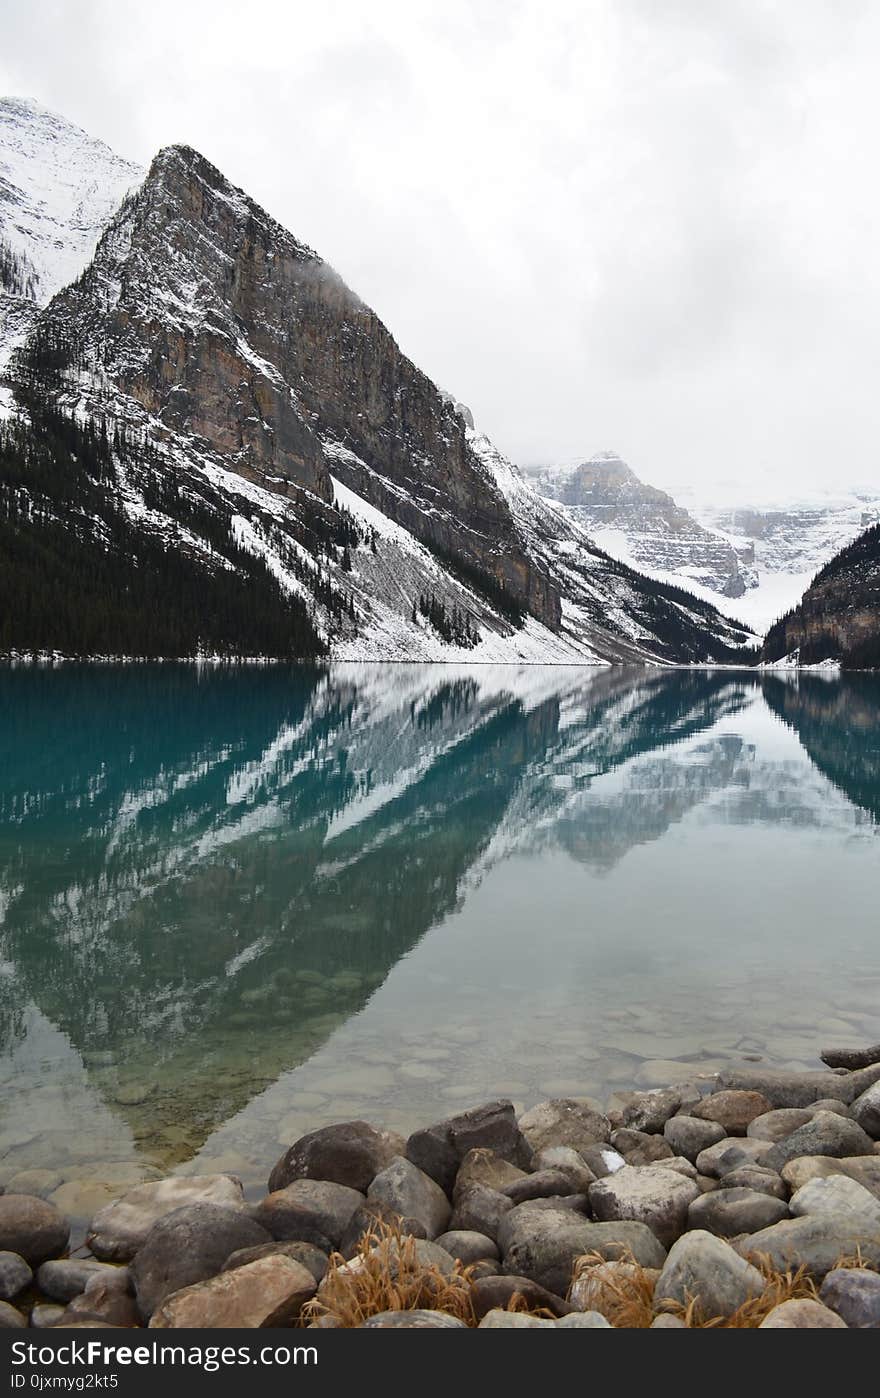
{"type": "Point", "coordinates": [790, 540]}
{"type": "Point", "coordinates": [215, 447]}
{"type": "Point", "coordinates": [838, 617]}
{"type": "Point", "coordinates": [58, 189]}
{"type": "Point", "coordinates": [643, 526]}
{"type": "Point", "coordinates": [757, 557]}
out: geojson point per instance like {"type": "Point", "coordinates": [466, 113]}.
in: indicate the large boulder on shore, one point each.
{"type": "Point", "coordinates": [854, 1293]}
{"type": "Point", "coordinates": [308, 1256]}
{"type": "Point", "coordinates": [731, 1108]}
{"type": "Point", "coordinates": [775, 1125]}
{"type": "Point", "coordinates": [15, 1275]}
{"type": "Point", "coordinates": [866, 1111]}
{"type": "Point", "coordinates": [568, 1162]}
{"type": "Point", "coordinates": [351, 1153]}
{"type": "Point", "coordinates": [188, 1246]}
{"type": "Point", "coordinates": [654, 1196]}
{"type": "Point", "coordinates": [689, 1135]}
{"type": "Point", "coordinates": [826, 1133]}
{"type": "Point", "coordinates": [309, 1211]}
{"type": "Point", "coordinates": [564, 1121]}
{"type": "Point", "coordinates": [484, 1167]}
{"type": "Point", "coordinates": [731, 1154]}
{"type": "Point", "coordinates": [815, 1241]}
{"type": "Point", "coordinates": [649, 1111]}
{"type": "Point", "coordinates": [802, 1314]}
{"type": "Point", "coordinates": [10, 1318]}
{"type": "Point", "coordinates": [32, 1227]}
{"type": "Point", "coordinates": [729, 1212]}
{"type": "Point", "coordinates": [544, 1243]}
{"type": "Point", "coordinates": [440, 1149]}
{"type": "Point", "coordinates": [119, 1229]}
{"type": "Point", "coordinates": [69, 1276]}
{"type": "Point", "coordinates": [783, 1088]}
{"type": "Point", "coordinates": [865, 1169]}
{"type": "Point", "coordinates": [412, 1194]}
{"type": "Point", "coordinates": [492, 1292]}
{"type": "Point", "coordinates": [268, 1292]}
{"type": "Point", "coordinates": [103, 1301]}
{"type": "Point", "coordinates": [835, 1196]}
{"type": "Point", "coordinates": [468, 1246]}
{"type": "Point", "coordinates": [480, 1210]}
{"type": "Point", "coordinates": [703, 1267]}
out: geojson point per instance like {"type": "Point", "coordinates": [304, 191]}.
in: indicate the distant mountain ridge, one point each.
{"type": "Point", "coordinates": [239, 402]}
{"type": "Point", "coordinates": [756, 558]}
{"type": "Point", "coordinates": [644, 525]}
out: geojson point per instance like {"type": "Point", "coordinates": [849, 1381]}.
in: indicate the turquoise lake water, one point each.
{"type": "Point", "coordinates": [239, 903]}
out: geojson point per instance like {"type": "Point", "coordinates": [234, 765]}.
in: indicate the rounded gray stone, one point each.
{"type": "Point", "coordinates": [468, 1246]}
{"type": "Point", "coordinates": [704, 1267]}
{"type": "Point", "coordinates": [10, 1318]}
{"type": "Point", "coordinates": [854, 1293]}
{"type": "Point", "coordinates": [406, 1189]}
{"type": "Point", "coordinates": [32, 1227]}
{"type": "Point", "coordinates": [825, 1134]}
{"type": "Point", "coordinates": [309, 1211]}
{"type": "Point", "coordinates": [15, 1274]}
{"type": "Point", "coordinates": [688, 1135]}
{"type": "Point", "coordinates": [351, 1153]}
{"type": "Point", "coordinates": [67, 1277]}
{"type": "Point", "coordinates": [188, 1246]}
{"type": "Point", "coordinates": [802, 1315]}
{"type": "Point", "coordinates": [729, 1212]}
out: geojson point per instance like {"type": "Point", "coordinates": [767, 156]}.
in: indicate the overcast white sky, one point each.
{"type": "Point", "coordinates": [645, 224]}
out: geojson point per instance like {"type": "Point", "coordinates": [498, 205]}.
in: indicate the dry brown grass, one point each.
{"type": "Point", "coordinates": [778, 1287]}
{"type": "Point", "coordinates": [855, 1261]}
{"type": "Point", "coordinates": [519, 1303]}
{"type": "Point", "coordinates": [385, 1274]}
{"type": "Point", "coordinates": [628, 1297]}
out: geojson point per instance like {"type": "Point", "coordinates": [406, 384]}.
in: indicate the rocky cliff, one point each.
{"type": "Point", "coordinates": [838, 617]}
{"type": "Point", "coordinates": [225, 328]}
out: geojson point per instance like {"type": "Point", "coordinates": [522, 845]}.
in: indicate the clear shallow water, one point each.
{"type": "Point", "coordinates": [237, 904]}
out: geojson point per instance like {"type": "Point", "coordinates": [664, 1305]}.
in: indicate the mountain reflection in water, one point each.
{"type": "Point", "coordinates": [208, 878]}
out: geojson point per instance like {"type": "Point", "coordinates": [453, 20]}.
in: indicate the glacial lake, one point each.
{"type": "Point", "coordinates": [239, 903]}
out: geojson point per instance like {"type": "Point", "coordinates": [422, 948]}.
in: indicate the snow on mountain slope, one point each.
{"type": "Point", "coordinates": [265, 392]}
{"type": "Point", "coordinates": [792, 537]}
{"type": "Point", "coordinates": [753, 558]}
{"type": "Point", "coordinates": [58, 189]}
{"type": "Point", "coordinates": [644, 527]}
{"type": "Point", "coordinates": [600, 596]}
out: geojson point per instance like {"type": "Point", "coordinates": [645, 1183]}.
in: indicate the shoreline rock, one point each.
{"type": "Point", "coordinates": [550, 1218]}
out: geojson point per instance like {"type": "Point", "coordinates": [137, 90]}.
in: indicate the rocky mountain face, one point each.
{"type": "Point", "coordinates": [838, 617]}
{"type": "Point", "coordinates": [252, 405]}
{"type": "Point", "coordinates": [644, 526]}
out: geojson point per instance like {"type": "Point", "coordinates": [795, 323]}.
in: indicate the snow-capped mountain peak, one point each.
{"type": "Point", "coordinates": [58, 188]}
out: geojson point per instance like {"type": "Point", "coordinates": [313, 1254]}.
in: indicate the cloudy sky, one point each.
{"type": "Point", "coordinates": [645, 224]}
